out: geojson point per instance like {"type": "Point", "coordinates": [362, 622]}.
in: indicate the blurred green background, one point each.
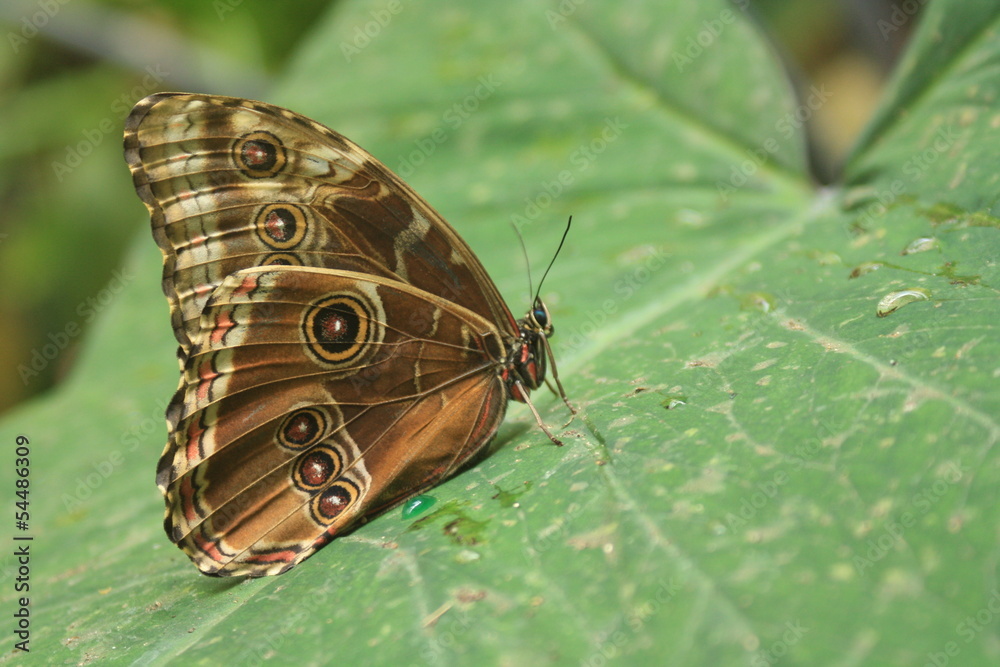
{"type": "Point", "coordinates": [71, 70]}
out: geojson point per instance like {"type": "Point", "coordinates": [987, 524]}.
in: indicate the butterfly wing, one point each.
{"type": "Point", "coordinates": [312, 399]}
{"type": "Point", "coordinates": [340, 344]}
{"type": "Point", "coordinates": [232, 183]}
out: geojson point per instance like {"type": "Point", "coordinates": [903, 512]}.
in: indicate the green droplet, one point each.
{"type": "Point", "coordinates": [417, 505]}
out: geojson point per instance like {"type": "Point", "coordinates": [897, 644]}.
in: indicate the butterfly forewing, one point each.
{"type": "Point", "coordinates": [341, 347]}
{"type": "Point", "coordinates": [233, 183]}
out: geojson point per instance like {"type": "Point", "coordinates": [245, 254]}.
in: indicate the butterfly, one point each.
{"type": "Point", "coordinates": [341, 347]}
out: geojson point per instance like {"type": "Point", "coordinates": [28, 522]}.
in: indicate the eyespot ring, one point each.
{"type": "Point", "coordinates": [334, 501]}
{"type": "Point", "coordinates": [339, 329]}
{"type": "Point", "coordinates": [259, 154]}
{"type": "Point", "coordinates": [281, 226]}
{"type": "Point", "coordinates": [302, 429]}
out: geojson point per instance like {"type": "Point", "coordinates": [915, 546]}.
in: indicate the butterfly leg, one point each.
{"type": "Point", "coordinates": [557, 391]}
{"type": "Point", "coordinates": [538, 417]}
{"type": "Point", "coordinates": [555, 376]}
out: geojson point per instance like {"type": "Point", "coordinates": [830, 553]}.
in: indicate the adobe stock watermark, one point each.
{"type": "Point", "coordinates": [625, 288]}
{"type": "Point", "coordinates": [223, 7]}
{"type": "Point", "coordinates": [766, 491]}
{"type": "Point", "coordinates": [57, 341]}
{"type": "Point", "coordinates": [452, 119]}
{"type": "Point", "coordinates": [711, 30]}
{"type": "Point", "coordinates": [446, 636]}
{"type": "Point", "coordinates": [609, 645]}
{"type": "Point", "coordinates": [568, 525]}
{"type": "Point", "coordinates": [368, 31]}
{"type": "Point", "coordinates": [785, 126]}
{"type": "Point", "coordinates": [779, 648]}
{"type": "Point", "coordinates": [120, 107]}
{"type": "Point", "coordinates": [967, 630]}
{"type": "Point", "coordinates": [140, 432]}
{"type": "Point", "coordinates": [899, 16]}
{"type": "Point", "coordinates": [581, 159]}
{"type": "Point", "coordinates": [563, 11]}
{"type": "Point", "coordinates": [556, 532]}
{"type": "Point", "coordinates": [913, 171]}
{"type": "Point", "coordinates": [31, 25]}
{"type": "Point", "coordinates": [260, 648]}
{"type": "Point", "coordinates": [881, 545]}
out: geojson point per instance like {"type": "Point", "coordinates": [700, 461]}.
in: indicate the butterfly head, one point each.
{"type": "Point", "coordinates": [526, 363]}
{"type": "Point", "coordinates": [538, 319]}
{"type": "Point", "coordinates": [525, 369]}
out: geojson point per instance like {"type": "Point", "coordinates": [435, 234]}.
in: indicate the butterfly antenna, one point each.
{"type": "Point", "coordinates": [561, 241]}
{"type": "Point", "coordinates": [527, 262]}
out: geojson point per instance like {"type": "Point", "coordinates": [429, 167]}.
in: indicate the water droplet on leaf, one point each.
{"type": "Point", "coordinates": [895, 300]}
{"type": "Point", "coordinates": [866, 268]}
{"type": "Point", "coordinates": [761, 301]}
{"type": "Point", "coordinates": [922, 244]}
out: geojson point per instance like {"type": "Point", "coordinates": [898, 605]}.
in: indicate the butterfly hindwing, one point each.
{"type": "Point", "coordinates": [300, 383]}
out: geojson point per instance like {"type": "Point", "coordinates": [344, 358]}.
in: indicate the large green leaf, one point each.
{"type": "Point", "coordinates": [764, 469]}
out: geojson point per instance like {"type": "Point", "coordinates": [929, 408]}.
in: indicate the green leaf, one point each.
{"type": "Point", "coordinates": [764, 470]}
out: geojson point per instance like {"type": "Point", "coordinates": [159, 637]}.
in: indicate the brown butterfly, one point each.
{"type": "Point", "coordinates": [341, 347]}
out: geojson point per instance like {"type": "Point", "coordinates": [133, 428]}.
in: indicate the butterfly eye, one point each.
{"type": "Point", "coordinates": [540, 315]}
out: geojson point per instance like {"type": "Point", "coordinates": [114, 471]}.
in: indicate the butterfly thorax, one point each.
{"type": "Point", "coordinates": [525, 367]}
